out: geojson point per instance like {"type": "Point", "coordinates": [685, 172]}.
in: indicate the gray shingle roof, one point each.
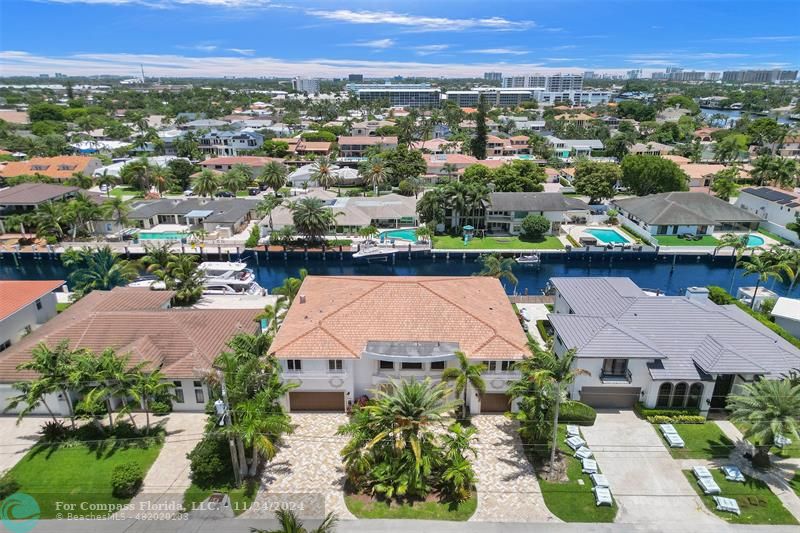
{"type": "Point", "coordinates": [683, 208]}
{"type": "Point", "coordinates": [226, 210]}
{"type": "Point", "coordinates": [694, 338]}
{"type": "Point", "coordinates": [535, 201]}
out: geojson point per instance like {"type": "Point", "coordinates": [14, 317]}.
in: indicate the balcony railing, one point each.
{"type": "Point", "coordinates": [611, 377]}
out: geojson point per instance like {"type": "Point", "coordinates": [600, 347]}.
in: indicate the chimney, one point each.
{"type": "Point", "coordinates": [699, 294]}
{"type": "Point", "coordinates": [302, 298]}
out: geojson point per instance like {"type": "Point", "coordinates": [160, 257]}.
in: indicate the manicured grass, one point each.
{"type": "Point", "coordinates": [419, 510]}
{"type": "Point", "coordinates": [570, 501]}
{"type": "Point", "coordinates": [703, 441]}
{"type": "Point", "coordinates": [674, 240]}
{"type": "Point", "coordinates": [774, 236]}
{"type": "Point", "coordinates": [793, 450]}
{"type": "Point", "coordinates": [757, 503]}
{"type": "Point", "coordinates": [632, 235]}
{"type": "Point", "coordinates": [62, 306]}
{"type": "Point", "coordinates": [447, 242]}
{"type": "Point", "coordinates": [73, 475]}
{"type": "Point", "coordinates": [795, 483]}
{"type": "Point", "coordinates": [241, 498]}
{"type": "Point", "coordinates": [126, 191]}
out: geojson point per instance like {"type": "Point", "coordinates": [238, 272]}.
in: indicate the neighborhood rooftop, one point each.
{"type": "Point", "coordinates": [684, 209]}
{"type": "Point", "coordinates": [14, 295]}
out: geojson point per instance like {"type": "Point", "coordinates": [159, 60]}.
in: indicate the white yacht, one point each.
{"type": "Point", "coordinates": [223, 277]}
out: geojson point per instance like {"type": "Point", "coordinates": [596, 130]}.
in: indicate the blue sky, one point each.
{"type": "Point", "coordinates": [385, 38]}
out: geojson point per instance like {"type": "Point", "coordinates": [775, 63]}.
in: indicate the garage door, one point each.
{"type": "Point", "coordinates": [620, 397]}
{"type": "Point", "coordinates": [495, 403]}
{"type": "Point", "coordinates": [316, 401]}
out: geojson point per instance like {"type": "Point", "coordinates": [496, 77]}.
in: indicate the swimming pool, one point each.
{"type": "Point", "coordinates": [608, 235]}
{"type": "Point", "coordinates": [409, 234]}
{"type": "Point", "coordinates": [754, 240]}
{"type": "Point", "coordinates": [162, 236]}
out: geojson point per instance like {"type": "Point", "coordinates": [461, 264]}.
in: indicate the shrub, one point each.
{"type": "Point", "coordinates": [545, 329]}
{"type": "Point", "coordinates": [577, 413]}
{"type": "Point", "coordinates": [54, 431]}
{"type": "Point", "coordinates": [209, 462]}
{"type": "Point", "coordinates": [405, 188]}
{"type": "Point", "coordinates": [255, 235]}
{"type": "Point", "coordinates": [646, 412]}
{"type": "Point", "coordinates": [534, 226]}
{"type": "Point", "coordinates": [126, 479]}
{"type": "Point", "coordinates": [677, 419]}
{"type": "Point", "coordinates": [719, 296]}
{"type": "Point", "coordinates": [8, 486]}
{"type": "Point", "coordinates": [160, 408]}
{"type": "Point", "coordinates": [125, 430]}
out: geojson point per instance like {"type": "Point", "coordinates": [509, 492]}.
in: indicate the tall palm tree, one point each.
{"type": "Point", "coordinates": [464, 374]}
{"type": "Point", "coordinates": [289, 523]}
{"type": "Point", "coordinates": [21, 221]}
{"type": "Point", "coordinates": [236, 179]}
{"type": "Point", "coordinates": [100, 269]}
{"type": "Point", "coordinates": [148, 387]}
{"type": "Point", "coordinates": [311, 217]}
{"type": "Point", "coordinates": [156, 256]}
{"type": "Point", "coordinates": [765, 266]}
{"type": "Point", "coordinates": [458, 198]}
{"type": "Point", "coordinates": [182, 275]}
{"type": "Point", "coordinates": [273, 175]}
{"type": "Point", "coordinates": [160, 176]}
{"type": "Point", "coordinates": [768, 408]}
{"type": "Point", "coordinates": [779, 171]}
{"type": "Point", "coordinates": [267, 205]}
{"type": "Point", "coordinates": [323, 172]}
{"type": "Point", "coordinates": [291, 287]}
{"type": "Point", "coordinates": [113, 377]}
{"type": "Point", "coordinates": [496, 266]}
{"type": "Point", "coordinates": [51, 218]}
{"type": "Point", "coordinates": [138, 174]}
{"type": "Point", "coordinates": [107, 180]}
{"type": "Point", "coordinates": [431, 207]}
{"type": "Point", "coordinates": [80, 180]}
{"type": "Point", "coordinates": [116, 209]}
{"type": "Point", "coordinates": [739, 245]}
{"type": "Point", "coordinates": [374, 172]}
{"type": "Point", "coordinates": [258, 429]}
{"type": "Point", "coordinates": [83, 211]}
{"type": "Point", "coordinates": [206, 183]}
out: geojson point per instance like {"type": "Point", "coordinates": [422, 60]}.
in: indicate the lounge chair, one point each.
{"type": "Point", "coordinates": [727, 504]}
{"type": "Point", "coordinates": [668, 428]}
{"type": "Point", "coordinates": [674, 440]}
{"type": "Point", "coordinates": [708, 485]}
{"type": "Point", "coordinates": [573, 431]}
{"type": "Point", "coordinates": [602, 496]}
{"type": "Point", "coordinates": [599, 480]}
{"type": "Point", "coordinates": [575, 442]}
{"type": "Point", "coordinates": [589, 466]}
{"type": "Point", "coordinates": [781, 442]}
{"type": "Point", "coordinates": [701, 471]}
{"type": "Point", "coordinates": [733, 473]}
{"type": "Point", "coordinates": [583, 453]}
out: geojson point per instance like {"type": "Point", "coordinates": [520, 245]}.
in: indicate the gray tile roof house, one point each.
{"type": "Point", "coordinates": [686, 338]}
{"type": "Point", "coordinates": [535, 201]}
{"type": "Point", "coordinates": [219, 211]}
{"type": "Point", "coordinates": [684, 209]}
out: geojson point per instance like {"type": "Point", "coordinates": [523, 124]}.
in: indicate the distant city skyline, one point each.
{"type": "Point", "coordinates": [447, 38]}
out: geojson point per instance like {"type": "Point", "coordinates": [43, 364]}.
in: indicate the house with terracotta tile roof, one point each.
{"type": "Point", "coordinates": [182, 343]}
{"type": "Point", "coordinates": [346, 336]}
{"type": "Point", "coordinates": [60, 167]}
{"type": "Point", "coordinates": [224, 164]}
{"type": "Point", "coordinates": [24, 306]}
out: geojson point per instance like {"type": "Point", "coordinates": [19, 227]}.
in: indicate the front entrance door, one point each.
{"type": "Point", "coordinates": [722, 388]}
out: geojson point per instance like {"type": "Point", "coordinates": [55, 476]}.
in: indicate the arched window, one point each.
{"type": "Point", "coordinates": [695, 393]}
{"type": "Point", "coordinates": [679, 396]}
{"type": "Point", "coordinates": [663, 395]}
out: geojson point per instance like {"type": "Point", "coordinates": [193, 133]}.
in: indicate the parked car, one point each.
{"type": "Point", "coordinates": [224, 194]}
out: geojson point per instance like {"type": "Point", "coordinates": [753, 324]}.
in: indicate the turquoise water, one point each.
{"type": "Point", "coordinates": [607, 235]}
{"type": "Point", "coordinates": [400, 234]}
{"type": "Point", "coordinates": [754, 240]}
{"type": "Point", "coordinates": [163, 236]}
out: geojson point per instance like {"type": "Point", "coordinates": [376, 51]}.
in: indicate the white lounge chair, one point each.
{"type": "Point", "coordinates": [589, 466]}
{"type": "Point", "coordinates": [781, 442]}
{"type": "Point", "coordinates": [668, 428]}
{"type": "Point", "coordinates": [575, 442]}
{"type": "Point", "coordinates": [701, 471]}
{"type": "Point", "coordinates": [727, 504]}
{"type": "Point", "coordinates": [599, 480]}
{"type": "Point", "coordinates": [708, 485]}
{"type": "Point", "coordinates": [583, 453]}
{"type": "Point", "coordinates": [573, 431]}
{"type": "Point", "coordinates": [733, 473]}
{"type": "Point", "coordinates": [602, 496]}
{"type": "Point", "coordinates": [674, 440]}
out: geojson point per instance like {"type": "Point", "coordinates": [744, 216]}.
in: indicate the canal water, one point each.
{"type": "Point", "coordinates": [646, 270]}
{"type": "Point", "coordinates": [734, 115]}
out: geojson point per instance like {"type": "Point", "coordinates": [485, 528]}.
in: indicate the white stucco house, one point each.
{"type": "Point", "coordinates": [24, 306]}
{"type": "Point", "coordinates": [786, 314]}
{"type": "Point", "coordinates": [662, 351]}
{"type": "Point", "coordinates": [775, 207]}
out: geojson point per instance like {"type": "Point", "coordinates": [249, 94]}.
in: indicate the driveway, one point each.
{"type": "Point", "coordinates": [508, 490]}
{"type": "Point", "coordinates": [17, 439]}
{"type": "Point", "coordinates": [307, 473]}
{"type": "Point", "coordinates": [534, 312]}
{"type": "Point", "coordinates": [646, 481]}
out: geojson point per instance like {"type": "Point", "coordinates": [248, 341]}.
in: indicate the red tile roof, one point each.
{"type": "Point", "coordinates": [61, 167]}
{"type": "Point", "coordinates": [14, 295]}
{"type": "Point", "coordinates": [249, 160]}
{"type": "Point", "coordinates": [335, 317]}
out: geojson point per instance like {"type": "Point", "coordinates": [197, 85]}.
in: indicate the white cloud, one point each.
{"type": "Point", "coordinates": [756, 39]}
{"type": "Point", "coordinates": [381, 44]}
{"type": "Point", "coordinates": [499, 51]}
{"type": "Point", "coordinates": [421, 23]}
{"type": "Point", "coordinates": [429, 49]}
{"type": "Point", "coordinates": [242, 51]}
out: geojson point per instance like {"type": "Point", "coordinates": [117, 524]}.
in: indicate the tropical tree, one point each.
{"type": "Point", "coordinates": [431, 207]}
{"type": "Point", "coordinates": [273, 175]}
{"type": "Point", "coordinates": [206, 183]}
{"type": "Point", "coordinates": [739, 245]}
{"type": "Point", "coordinates": [80, 180]}
{"type": "Point", "coordinates": [236, 179]}
{"type": "Point", "coordinates": [112, 376]}
{"type": "Point", "coordinates": [724, 184]}
{"type": "Point", "coordinates": [148, 387]}
{"type": "Point", "coordinates": [764, 266]}
{"type": "Point", "coordinates": [367, 231]}
{"type": "Point", "coordinates": [156, 256]}
{"type": "Point", "coordinates": [374, 172]}
{"type": "Point", "coordinates": [21, 221]}
{"type": "Point", "coordinates": [289, 523]}
{"type": "Point", "coordinates": [779, 171]}
{"type": "Point", "coordinates": [137, 174]}
{"type": "Point", "coordinates": [183, 276]}
{"type": "Point", "coordinates": [423, 233]}
{"type": "Point", "coordinates": [291, 287]}
{"type": "Point", "coordinates": [50, 218]}
{"type": "Point", "coordinates": [464, 374]}
{"type": "Point", "coordinates": [267, 205]}
{"type": "Point", "coordinates": [107, 180]}
{"type": "Point", "coordinates": [768, 409]}
{"type": "Point", "coordinates": [100, 269]}
{"type": "Point", "coordinates": [323, 172]}
{"type": "Point", "coordinates": [82, 211]}
{"type": "Point", "coordinates": [116, 209]}
{"type": "Point", "coordinates": [497, 266]}
{"type": "Point", "coordinates": [311, 217]}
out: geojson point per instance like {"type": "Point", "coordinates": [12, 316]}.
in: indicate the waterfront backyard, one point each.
{"type": "Point", "coordinates": [497, 243]}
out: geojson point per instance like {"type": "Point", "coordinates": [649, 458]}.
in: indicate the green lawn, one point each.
{"type": "Point", "coordinates": [126, 191]}
{"type": "Point", "coordinates": [62, 306]}
{"type": "Point", "coordinates": [703, 441]}
{"type": "Point", "coordinates": [241, 498]}
{"type": "Point", "coordinates": [773, 236]}
{"type": "Point", "coordinates": [795, 483]}
{"type": "Point", "coordinates": [570, 501]}
{"type": "Point", "coordinates": [674, 240]}
{"type": "Point", "coordinates": [418, 510]}
{"type": "Point", "coordinates": [447, 242]}
{"type": "Point", "coordinates": [792, 450]}
{"type": "Point", "coordinates": [757, 503]}
{"type": "Point", "coordinates": [77, 474]}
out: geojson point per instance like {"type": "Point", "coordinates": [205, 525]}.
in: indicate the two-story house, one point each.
{"type": "Point", "coordinates": [356, 146]}
{"type": "Point", "coordinates": [230, 143]}
{"type": "Point", "coordinates": [24, 306]}
{"type": "Point", "coordinates": [505, 211]}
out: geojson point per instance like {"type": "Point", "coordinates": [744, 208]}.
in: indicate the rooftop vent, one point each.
{"type": "Point", "coordinates": [302, 298]}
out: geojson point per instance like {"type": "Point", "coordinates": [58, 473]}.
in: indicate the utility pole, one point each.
{"type": "Point", "coordinates": [223, 410]}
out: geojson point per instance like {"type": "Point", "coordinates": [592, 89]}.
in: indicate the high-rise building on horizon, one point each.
{"type": "Point", "coordinates": [355, 78]}
{"type": "Point", "coordinates": [493, 76]}
{"type": "Point", "coordinates": [306, 85]}
{"type": "Point", "coordinates": [634, 74]}
{"type": "Point", "coordinates": [759, 76]}
{"type": "Point", "coordinates": [589, 75]}
{"type": "Point", "coordinates": [548, 82]}
{"type": "Point", "coordinates": [687, 75]}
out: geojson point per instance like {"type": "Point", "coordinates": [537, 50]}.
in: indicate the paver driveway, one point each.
{"type": "Point", "coordinates": [645, 480]}
{"type": "Point", "coordinates": [507, 487]}
{"type": "Point", "coordinates": [307, 470]}
{"type": "Point", "coordinates": [18, 438]}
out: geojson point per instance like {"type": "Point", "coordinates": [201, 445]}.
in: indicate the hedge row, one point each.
{"type": "Point", "coordinates": [575, 412]}
{"type": "Point", "coordinates": [646, 412]}
{"type": "Point", "coordinates": [677, 419]}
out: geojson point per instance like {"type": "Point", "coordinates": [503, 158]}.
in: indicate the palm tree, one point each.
{"type": "Point", "coordinates": [114, 377]}
{"type": "Point", "coordinates": [323, 173]}
{"type": "Point", "coordinates": [117, 210]}
{"type": "Point", "coordinates": [236, 179]}
{"type": "Point", "coordinates": [267, 205]}
{"type": "Point", "coordinates": [80, 180]}
{"type": "Point", "coordinates": [258, 429]}
{"type": "Point", "coordinates": [449, 170]}
{"type": "Point", "coordinates": [83, 211]}
{"type": "Point", "coordinates": [100, 269]}
{"type": "Point", "coordinates": [138, 174]}
{"type": "Point", "coordinates": [739, 245]}
{"type": "Point", "coordinates": [779, 171]}
{"type": "Point", "coordinates": [431, 207]}
{"type": "Point", "coordinates": [768, 408]}
{"type": "Point", "coordinates": [312, 218]}
{"type": "Point", "coordinates": [50, 219]}
{"type": "Point", "coordinates": [206, 183]}
{"type": "Point", "coordinates": [148, 387]}
{"type": "Point", "coordinates": [289, 523]}
{"type": "Point", "coordinates": [423, 233]}
{"type": "Point", "coordinates": [156, 256]}
{"type": "Point", "coordinates": [20, 221]}
{"type": "Point", "coordinates": [273, 175]}
{"type": "Point", "coordinates": [182, 275]}
{"type": "Point", "coordinates": [367, 231]}
{"type": "Point", "coordinates": [374, 172]}
{"type": "Point", "coordinates": [465, 374]}
{"type": "Point", "coordinates": [496, 266]}
{"type": "Point", "coordinates": [160, 178]}
{"type": "Point", "coordinates": [107, 180]}
{"type": "Point", "coordinates": [291, 287]}
{"type": "Point", "coordinates": [764, 267]}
